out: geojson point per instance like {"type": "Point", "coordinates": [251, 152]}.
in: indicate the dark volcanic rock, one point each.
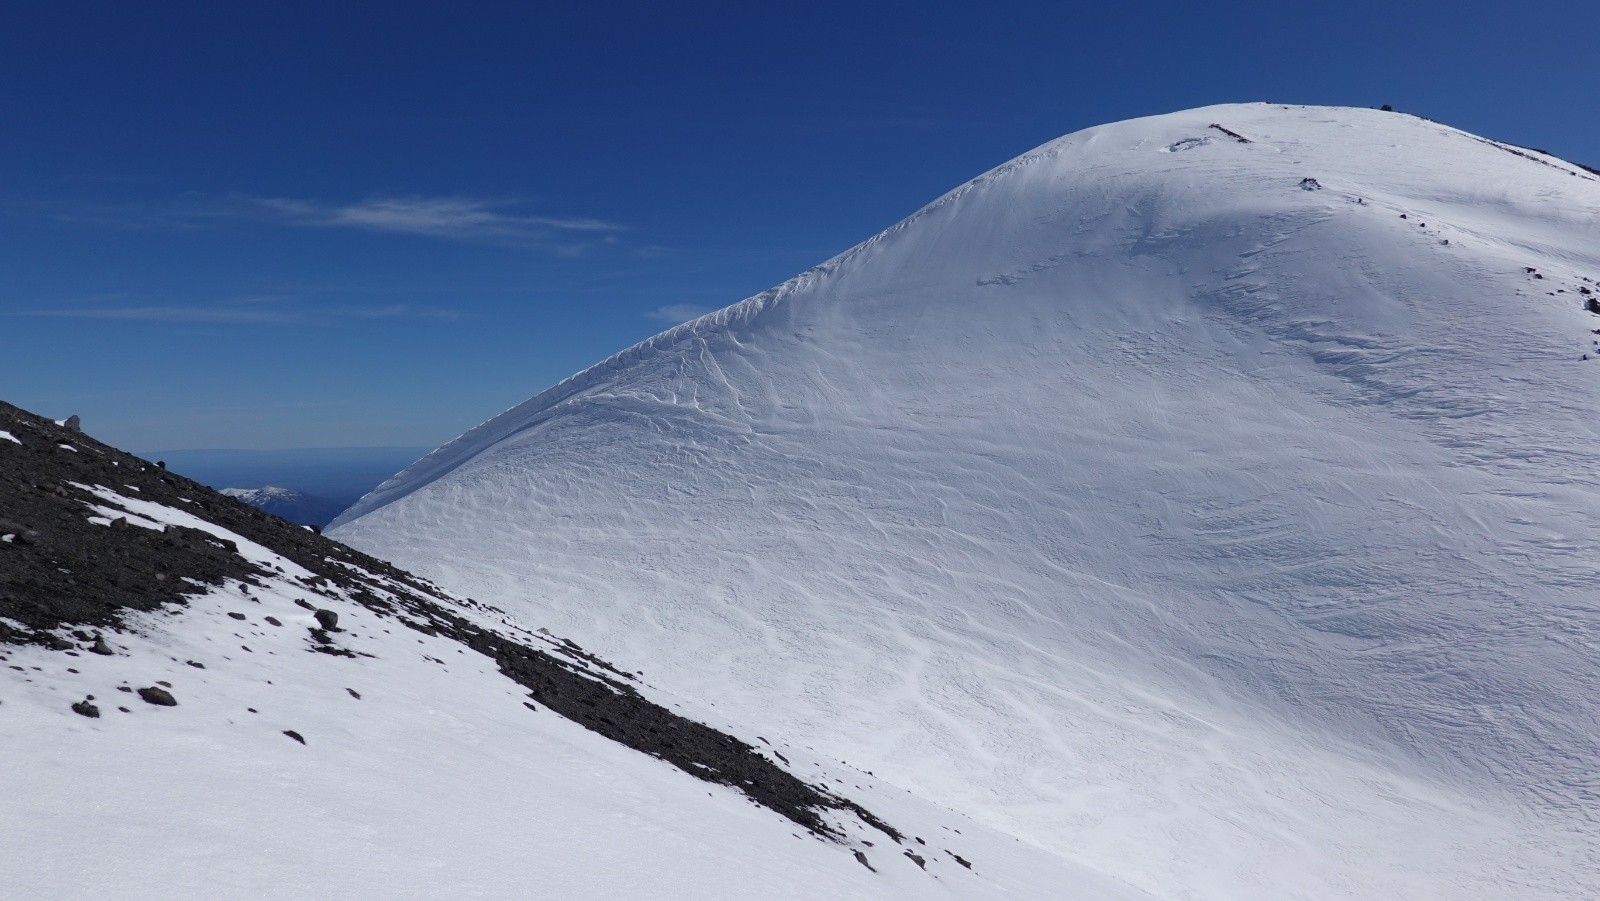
{"type": "Point", "coordinates": [85, 708]}
{"type": "Point", "coordinates": [328, 620]}
{"type": "Point", "coordinates": [294, 735]}
{"type": "Point", "coordinates": [158, 696]}
{"type": "Point", "coordinates": [63, 570]}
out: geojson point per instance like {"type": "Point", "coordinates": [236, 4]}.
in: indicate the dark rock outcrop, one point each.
{"type": "Point", "coordinates": [158, 696]}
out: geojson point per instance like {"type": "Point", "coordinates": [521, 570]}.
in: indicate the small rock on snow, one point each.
{"type": "Point", "coordinates": [158, 696]}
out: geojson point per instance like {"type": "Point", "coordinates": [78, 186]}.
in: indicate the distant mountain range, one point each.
{"type": "Point", "coordinates": [340, 474]}
{"type": "Point", "coordinates": [287, 503]}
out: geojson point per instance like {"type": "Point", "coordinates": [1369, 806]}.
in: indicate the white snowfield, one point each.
{"type": "Point", "coordinates": [1226, 532]}
{"type": "Point", "coordinates": [422, 775]}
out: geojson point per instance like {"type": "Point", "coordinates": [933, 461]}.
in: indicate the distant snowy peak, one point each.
{"type": "Point", "coordinates": [287, 503]}
{"type": "Point", "coordinates": [1210, 497]}
{"type": "Point", "coordinates": [256, 496]}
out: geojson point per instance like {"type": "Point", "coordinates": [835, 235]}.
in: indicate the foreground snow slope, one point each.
{"type": "Point", "coordinates": [1209, 498]}
{"type": "Point", "coordinates": [200, 701]}
{"type": "Point", "coordinates": [423, 775]}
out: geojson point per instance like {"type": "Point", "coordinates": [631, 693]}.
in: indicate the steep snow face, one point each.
{"type": "Point", "coordinates": [1210, 498]}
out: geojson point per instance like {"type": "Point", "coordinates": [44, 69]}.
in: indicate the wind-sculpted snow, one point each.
{"type": "Point", "coordinates": [1208, 498]}
{"type": "Point", "coordinates": [198, 699]}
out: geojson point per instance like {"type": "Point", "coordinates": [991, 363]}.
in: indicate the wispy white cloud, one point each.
{"type": "Point", "coordinates": [502, 222]}
{"type": "Point", "coordinates": [251, 311]}
{"type": "Point", "coordinates": [457, 218]}
{"type": "Point", "coordinates": [396, 311]}
{"type": "Point", "coordinates": [172, 314]}
{"type": "Point", "coordinates": [678, 312]}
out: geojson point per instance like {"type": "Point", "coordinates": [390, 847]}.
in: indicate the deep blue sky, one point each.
{"type": "Point", "coordinates": [278, 224]}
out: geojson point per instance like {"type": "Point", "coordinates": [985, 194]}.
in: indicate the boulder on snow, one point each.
{"type": "Point", "coordinates": [158, 696]}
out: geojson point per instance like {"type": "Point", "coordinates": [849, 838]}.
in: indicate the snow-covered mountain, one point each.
{"type": "Point", "coordinates": [200, 700]}
{"type": "Point", "coordinates": [287, 503]}
{"type": "Point", "coordinates": [1209, 500]}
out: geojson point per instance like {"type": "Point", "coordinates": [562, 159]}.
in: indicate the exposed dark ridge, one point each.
{"type": "Point", "coordinates": [59, 572]}
{"type": "Point", "coordinates": [1527, 153]}
{"type": "Point", "coordinates": [1232, 134]}
{"type": "Point", "coordinates": [1589, 169]}
{"type": "Point", "coordinates": [1507, 146]}
{"type": "Point", "coordinates": [599, 698]}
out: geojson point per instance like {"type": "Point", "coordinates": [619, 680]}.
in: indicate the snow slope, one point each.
{"type": "Point", "coordinates": [389, 755]}
{"type": "Point", "coordinates": [423, 775]}
{"type": "Point", "coordinates": [1209, 499]}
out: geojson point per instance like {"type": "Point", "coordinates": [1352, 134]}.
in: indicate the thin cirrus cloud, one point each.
{"type": "Point", "coordinates": [455, 218]}
{"type": "Point", "coordinates": [243, 313]}
{"type": "Point", "coordinates": [463, 219]}
{"type": "Point", "coordinates": [678, 312]}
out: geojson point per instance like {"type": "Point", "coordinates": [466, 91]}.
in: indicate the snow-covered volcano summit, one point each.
{"type": "Point", "coordinates": [1208, 498]}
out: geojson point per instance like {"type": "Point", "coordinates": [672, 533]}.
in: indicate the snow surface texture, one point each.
{"type": "Point", "coordinates": [401, 766]}
{"type": "Point", "coordinates": [1209, 499]}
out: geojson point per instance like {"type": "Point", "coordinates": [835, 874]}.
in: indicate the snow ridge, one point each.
{"type": "Point", "coordinates": [531, 412]}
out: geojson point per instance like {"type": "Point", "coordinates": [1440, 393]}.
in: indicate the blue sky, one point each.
{"type": "Point", "coordinates": [344, 224]}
